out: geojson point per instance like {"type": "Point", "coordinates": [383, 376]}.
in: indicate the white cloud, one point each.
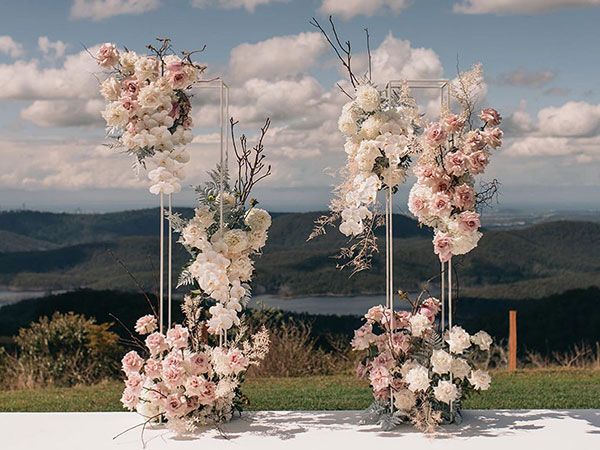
{"type": "Point", "coordinates": [276, 57]}
{"type": "Point", "coordinates": [10, 47]}
{"type": "Point", "coordinates": [249, 5]}
{"type": "Point", "coordinates": [573, 119]}
{"type": "Point", "coordinates": [64, 113]}
{"type": "Point", "coordinates": [351, 8]}
{"type": "Point", "coordinates": [103, 9]}
{"type": "Point", "coordinates": [526, 78]}
{"type": "Point", "coordinates": [518, 6]}
{"type": "Point", "coordinates": [26, 80]}
{"type": "Point", "coordinates": [51, 49]}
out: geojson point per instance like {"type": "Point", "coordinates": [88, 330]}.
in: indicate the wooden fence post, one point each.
{"type": "Point", "coordinates": [512, 340]}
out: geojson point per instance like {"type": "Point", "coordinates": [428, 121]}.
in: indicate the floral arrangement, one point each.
{"type": "Point", "coordinates": [192, 375]}
{"type": "Point", "coordinates": [417, 375]}
{"type": "Point", "coordinates": [148, 109]}
{"type": "Point", "coordinates": [453, 152]}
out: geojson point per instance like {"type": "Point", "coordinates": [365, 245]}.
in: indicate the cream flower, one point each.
{"type": "Point", "coordinates": [482, 340]}
{"type": "Point", "coordinates": [367, 98]}
{"type": "Point", "coordinates": [460, 368]}
{"type": "Point", "coordinates": [110, 89]}
{"type": "Point", "coordinates": [417, 378]}
{"type": "Point", "coordinates": [419, 323]}
{"type": "Point", "coordinates": [404, 400]}
{"type": "Point", "coordinates": [445, 392]}
{"type": "Point", "coordinates": [258, 219]}
{"type": "Point", "coordinates": [458, 339]}
{"type": "Point", "coordinates": [480, 380]}
{"type": "Point", "coordinates": [441, 362]}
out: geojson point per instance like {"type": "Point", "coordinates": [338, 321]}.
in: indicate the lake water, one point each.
{"type": "Point", "coordinates": [7, 297]}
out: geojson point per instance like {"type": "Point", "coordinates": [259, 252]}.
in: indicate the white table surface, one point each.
{"type": "Point", "coordinates": [335, 430]}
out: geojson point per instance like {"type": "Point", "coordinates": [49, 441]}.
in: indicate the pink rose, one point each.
{"type": "Point", "coordinates": [441, 183]}
{"type": "Point", "coordinates": [430, 308]}
{"type": "Point", "coordinates": [130, 104]}
{"type": "Point", "coordinates": [442, 246]}
{"type": "Point", "coordinates": [208, 394]}
{"type": "Point", "coordinates": [173, 360]}
{"type": "Point", "coordinates": [453, 123]}
{"type": "Point", "coordinates": [473, 142]}
{"type": "Point", "coordinates": [146, 324]}
{"type": "Point", "coordinates": [478, 162]}
{"type": "Point", "coordinates": [237, 361]}
{"type": "Point", "coordinates": [490, 116]}
{"type": "Point", "coordinates": [493, 137]}
{"type": "Point", "coordinates": [156, 343]}
{"type": "Point", "coordinates": [176, 404]}
{"type": "Point", "coordinates": [188, 123]}
{"type": "Point", "coordinates": [401, 319]}
{"type": "Point", "coordinates": [441, 204]}
{"type": "Point", "coordinates": [468, 221]}
{"type": "Point", "coordinates": [174, 113]}
{"type": "Point", "coordinates": [464, 196]}
{"type": "Point", "coordinates": [134, 382]}
{"type": "Point", "coordinates": [129, 399]}
{"type": "Point", "coordinates": [418, 205]}
{"type": "Point", "coordinates": [178, 80]}
{"type": "Point", "coordinates": [153, 368]}
{"type": "Point", "coordinates": [375, 314]}
{"type": "Point", "coordinates": [400, 342]}
{"type": "Point", "coordinates": [435, 134]}
{"type": "Point", "coordinates": [425, 172]}
{"type": "Point", "coordinates": [177, 337]}
{"type": "Point", "coordinates": [108, 55]}
{"type": "Point", "coordinates": [132, 87]}
{"type": "Point", "coordinates": [132, 362]}
{"type": "Point", "coordinates": [379, 378]}
{"type": "Point", "coordinates": [384, 359]}
{"type": "Point", "coordinates": [361, 370]}
{"type": "Point", "coordinates": [173, 376]}
{"type": "Point", "coordinates": [455, 163]}
{"type": "Point", "coordinates": [199, 363]}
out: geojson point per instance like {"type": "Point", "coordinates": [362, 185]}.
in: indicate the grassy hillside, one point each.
{"type": "Point", "coordinates": [66, 251]}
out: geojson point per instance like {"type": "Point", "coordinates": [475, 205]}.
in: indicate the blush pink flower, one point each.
{"type": "Point", "coordinates": [156, 343]}
{"type": "Point", "coordinates": [468, 221]}
{"type": "Point", "coordinates": [435, 134]}
{"type": "Point", "coordinates": [199, 363]}
{"type": "Point", "coordinates": [493, 137]}
{"type": "Point", "coordinates": [207, 395]}
{"type": "Point", "coordinates": [175, 404]}
{"type": "Point", "coordinates": [146, 324]}
{"type": "Point", "coordinates": [177, 337]}
{"type": "Point", "coordinates": [430, 308]}
{"type": "Point", "coordinates": [107, 56]}
{"type": "Point", "coordinates": [132, 362]}
{"type": "Point", "coordinates": [442, 246]}
{"type": "Point", "coordinates": [400, 342]}
{"type": "Point", "coordinates": [453, 123]}
{"type": "Point", "coordinates": [490, 116]}
{"type": "Point", "coordinates": [237, 361]}
{"type": "Point", "coordinates": [464, 196]}
{"type": "Point", "coordinates": [129, 399]}
{"type": "Point", "coordinates": [379, 378]}
{"type": "Point", "coordinates": [478, 162]}
{"type": "Point", "coordinates": [375, 313]}
{"type": "Point", "coordinates": [173, 376]}
{"type": "Point", "coordinates": [441, 204]}
{"type": "Point", "coordinates": [473, 142]}
{"type": "Point", "coordinates": [361, 371]}
{"type": "Point", "coordinates": [134, 382]}
{"type": "Point", "coordinates": [132, 87]}
{"type": "Point", "coordinates": [455, 163]}
{"type": "Point", "coordinates": [441, 183]}
{"type": "Point", "coordinates": [153, 368]}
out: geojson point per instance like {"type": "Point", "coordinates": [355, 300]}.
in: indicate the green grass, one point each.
{"type": "Point", "coordinates": [532, 389]}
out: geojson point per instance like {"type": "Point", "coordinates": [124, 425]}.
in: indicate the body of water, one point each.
{"type": "Point", "coordinates": [7, 297]}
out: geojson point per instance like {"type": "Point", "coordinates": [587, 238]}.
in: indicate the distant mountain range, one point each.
{"type": "Point", "coordinates": [67, 251]}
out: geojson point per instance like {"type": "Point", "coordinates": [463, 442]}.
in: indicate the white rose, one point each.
{"type": "Point", "coordinates": [464, 242]}
{"type": "Point", "coordinates": [480, 380]}
{"type": "Point", "coordinates": [146, 68]}
{"type": "Point", "coordinates": [368, 152]}
{"type": "Point", "coordinates": [407, 366]}
{"type": "Point", "coordinates": [458, 340]}
{"type": "Point", "coordinates": [441, 361]}
{"type": "Point", "coordinates": [351, 147]}
{"type": "Point", "coordinates": [347, 125]}
{"type": "Point", "coordinates": [258, 219]}
{"type": "Point", "coordinates": [445, 392]}
{"type": "Point", "coordinates": [152, 98]}
{"type": "Point", "coordinates": [236, 241]}
{"type": "Point", "coordinates": [417, 378]}
{"type": "Point", "coordinates": [482, 340]}
{"type": "Point", "coordinates": [460, 368]}
{"type": "Point", "coordinates": [116, 115]}
{"type": "Point", "coordinates": [367, 98]}
{"type": "Point", "coordinates": [369, 129]}
{"type": "Point", "coordinates": [128, 60]}
{"type": "Point", "coordinates": [404, 400]}
{"type": "Point", "coordinates": [419, 323]}
{"type": "Point", "coordinates": [110, 89]}
{"type": "Point", "coordinates": [257, 240]}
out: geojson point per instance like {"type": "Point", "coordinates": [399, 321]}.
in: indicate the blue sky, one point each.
{"type": "Point", "coordinates": [539, 58]}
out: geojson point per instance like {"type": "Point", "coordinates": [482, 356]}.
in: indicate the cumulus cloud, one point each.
{"type": "Point", "coordinates": [573, 119]}
{"type": "Point", "coordinates": [276, 57]}
{"type": "Point", "coordinates": [10, 47]}
{"type": "Point", "coordinates": [103, 9]}
{"type": "Point", "coordinates": [518, 6]}
{"type": "Point", "coordinates": [248, 5]}
{"type": "Point", "coordinates": [64, 113]}
{"type": "Point", "coordinates": [51, 49]}
{"type": "Point", "coordinates": [351, 8]}
{"type": "Point", "coordinates": [526, 78]}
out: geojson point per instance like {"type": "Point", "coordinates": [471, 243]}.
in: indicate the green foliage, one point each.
{"type": "Point", "coordinates": [67, 349]}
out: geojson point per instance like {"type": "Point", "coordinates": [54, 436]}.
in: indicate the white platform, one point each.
{"type": "Point", "coordinates": [335, 430]}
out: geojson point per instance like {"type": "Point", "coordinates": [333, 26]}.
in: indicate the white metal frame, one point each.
{"type": "Point", "coordinates": [443, 87]}
{"type": "Point", "coordinates": [223, 89]}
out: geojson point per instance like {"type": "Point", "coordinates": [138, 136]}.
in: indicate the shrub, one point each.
{"type": "Point", "coordinates": [65, 350]}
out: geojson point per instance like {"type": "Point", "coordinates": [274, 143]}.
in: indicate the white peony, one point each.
{"type": "Point", "coordinates": [464, 242]}
{"type": "Point", "coordinates": [441, 362]}
{"type": "Point", "coordinates": [127, 61]}
{"type": "Point", "coordinates": [480, 380]}
{"type": "Point", "coordinates": [458, 340]}
{"type": "Point", "coordinates": [368, 152]}
{"type": "Point", "coordinates": [110, 89]}
{"type": "Point", "coordinates": [482, 340]}
{"type": "Point", "coordinates": [460, 368]}
{"type": "Point", "coordinates": [351, 228]}
{"type": "Point", "coordinates": [419, 323]}
{"type": "Point", "coordinates": [258, 219]}
{"type": "Point", "coordinates": [146, 68]}
{"type": "Point", "coordinates": [152, 98]}
{"type": "Point", "coordinates": [236, 241]}
{"type": "Point", "coordinates": [367, 98]}
{"type": "Point", "coordinates": [417, 378]}
{"type": "Point", "coordinates": [404, 400]}
{"type": "Point", "coordinates": [369, 129]}
{"type": "Point", "coordinates": [445, 392]}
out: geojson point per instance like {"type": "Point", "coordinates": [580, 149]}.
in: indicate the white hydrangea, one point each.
{"type": "Point", "coordinates": [417, 378]}
{"type": "Point", "coordinates": [480, 380]}
{"type": "Point", "coordinates": [367, 98]}
{"type": "Point", "coordinates": [482, 340]}
{"type": "Point", "coordinates": [445, 392]}
{"type": "Point", "coordinates": [464, 242]}
{"type": "Point", "coordinates": [419, 323]}
{"type": "Point", "coordinates": [458, 340]}
{"type": "Point", "coordinates": [441, 362]}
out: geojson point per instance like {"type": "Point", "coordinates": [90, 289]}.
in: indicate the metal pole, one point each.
{"type": "Point", "coordinates": [162, 263]}
{"type": "Point", "coordinates": [170, 266]}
